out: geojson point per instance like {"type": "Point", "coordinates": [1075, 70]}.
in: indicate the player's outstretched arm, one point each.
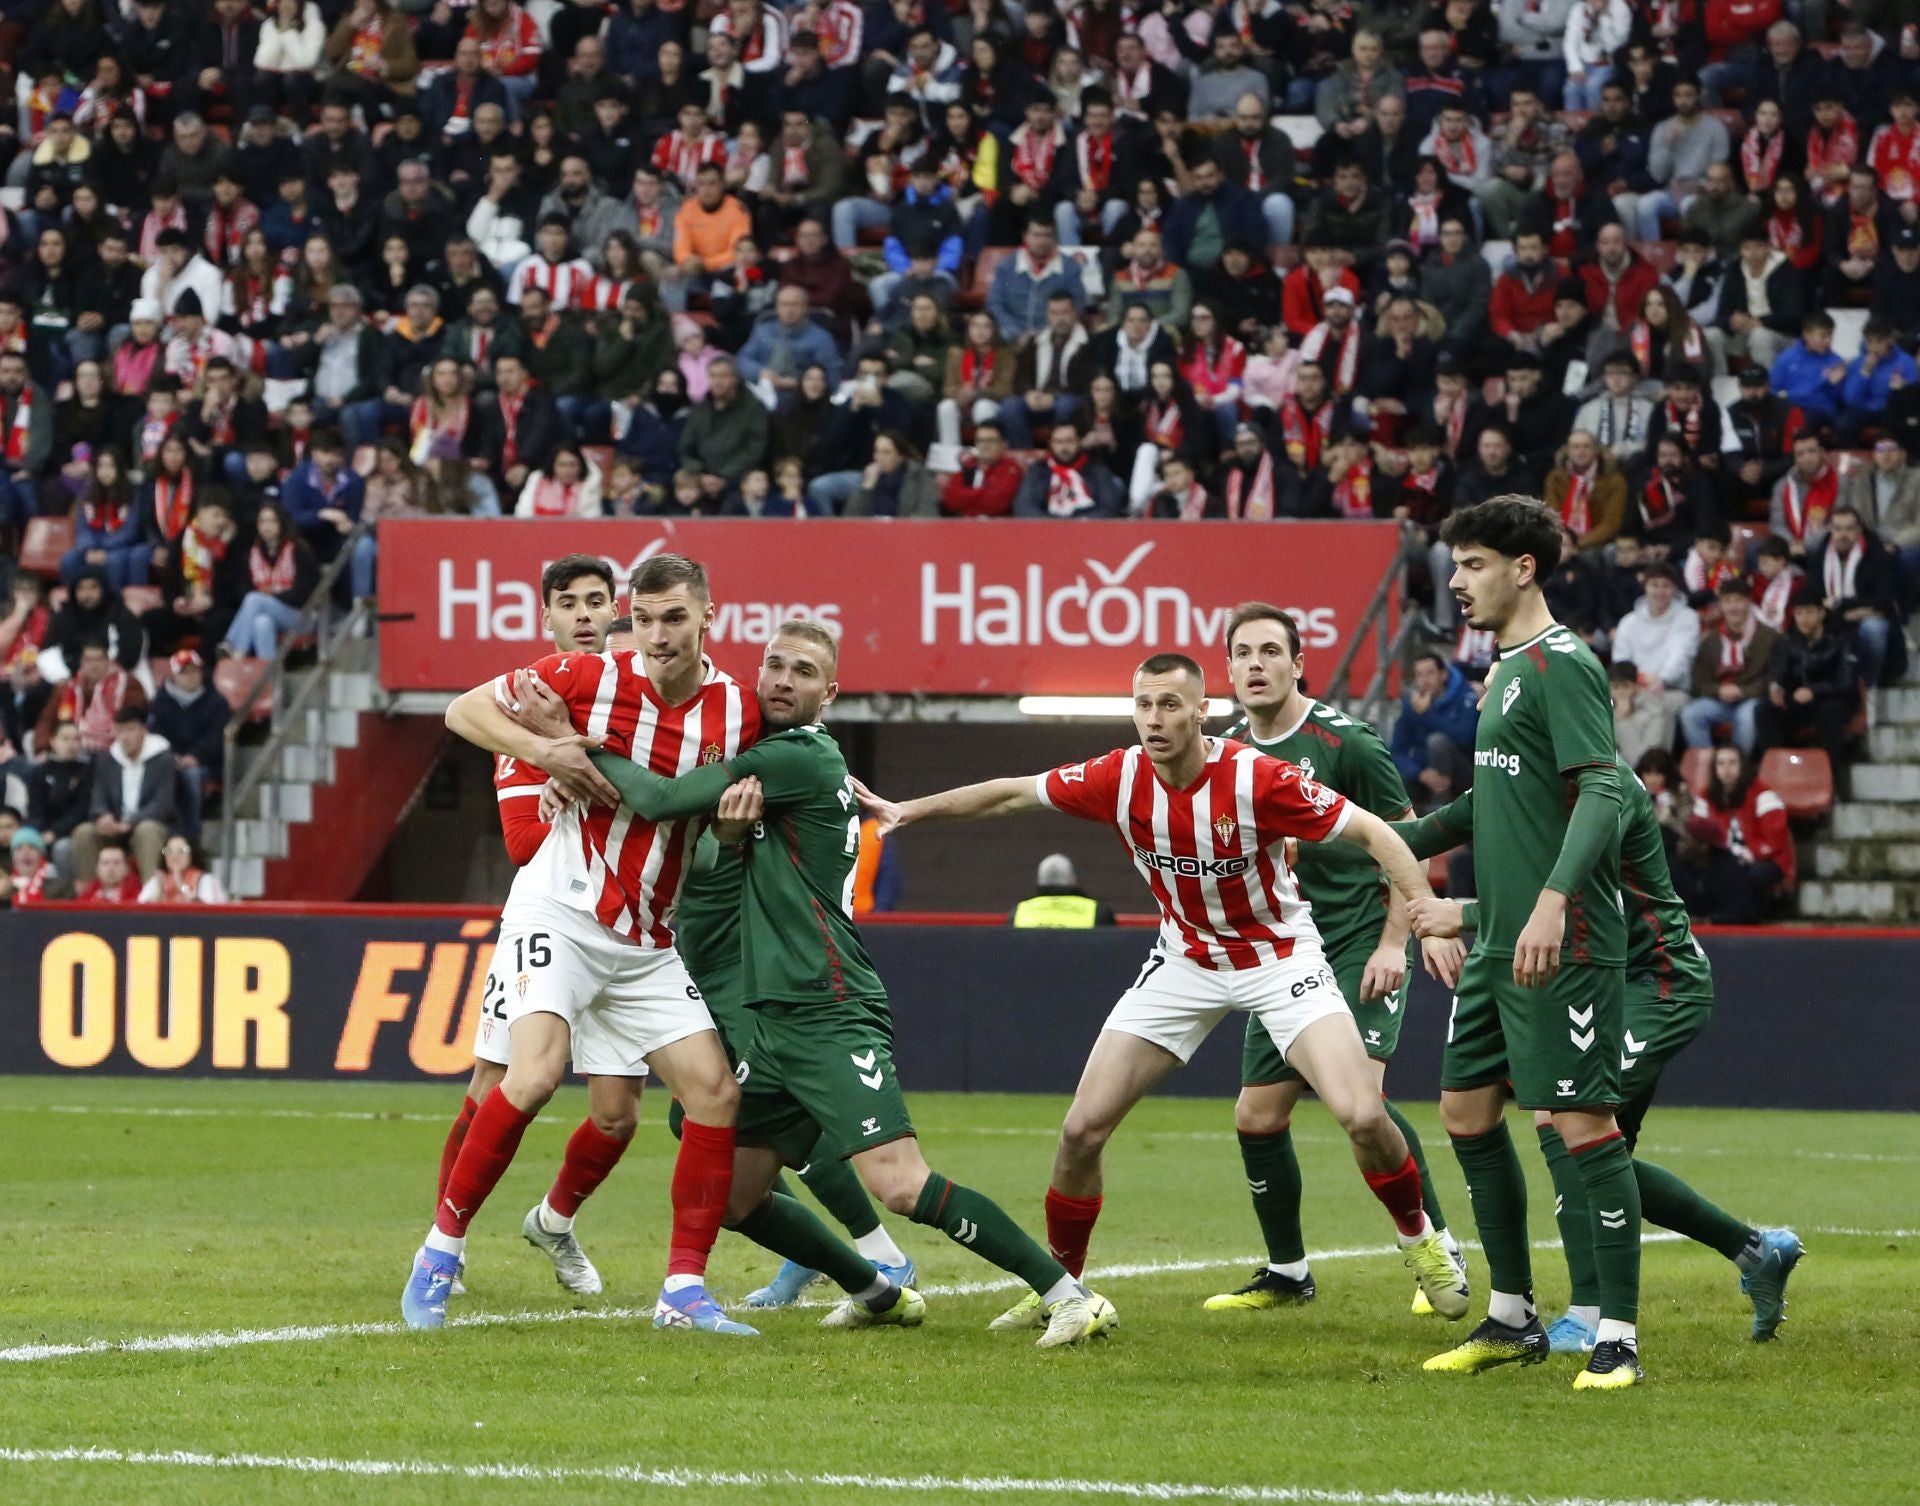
{"type": "Point", "coordinates": [1381, 843]}
{"type": "Point", "coordinates": [479, 718]}
{"type": "Point", "coordinates": [658, 798]}
{"type": "Point", "coordinates": [1440, 831]}
{"type": "Point", "coordinates": [970, 802]}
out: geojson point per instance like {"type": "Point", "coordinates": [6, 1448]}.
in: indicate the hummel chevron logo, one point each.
{"type": "Point", "coordinates": [1580, 1016]}
{"type": "Point", "coordinates": [1636, 1047]}
{"type": "Point", "coordinates": [1581, 1039]}
{"type": "Point", "coordinates": [868, 1073]}
{"type": "Point", "coordinates": [1256, 1188]}
{"type": "Point", "coordinates": [966, 1231]}
{"type": "Point", "coordinates": [1614, 1218]}
{"type": "Point", "coordinates": [1558, 1203]}
{"type": "Point", "coordinates": [1581, 1036]}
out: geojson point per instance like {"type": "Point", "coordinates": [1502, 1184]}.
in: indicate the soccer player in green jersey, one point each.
{"type": "Point", "coordinates": [1363, 928]}
{"type": "Point", "coordinates": [1539, 1002]}
{"type": "Point", "coordinates": [817, 1077]}
{"type": "Point", "coordinates": [1669, 1001]}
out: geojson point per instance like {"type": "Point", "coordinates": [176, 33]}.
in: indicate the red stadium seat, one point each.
{"type": "Point", "coordinates": [974, 294]}
{"type": "Point", "coordinates": [1802, 778]}
{"type": "Point", "coordinates": [1660, 255]}
{"type": "Point", "coordinates": [46, 543]}
{"type": "Point", "coordinates": [139, 599]}
{"type": "Point", "coordinates": [234, 679]}
{"type": "Point", "coordinates": [1696, 768]}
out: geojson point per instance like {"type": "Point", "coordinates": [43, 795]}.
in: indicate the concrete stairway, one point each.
{"type": "Point", "coordinates": [1865, 866]}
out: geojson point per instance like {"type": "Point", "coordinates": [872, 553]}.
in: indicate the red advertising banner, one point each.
{"type": "Point", "coordinates": [948, 608]}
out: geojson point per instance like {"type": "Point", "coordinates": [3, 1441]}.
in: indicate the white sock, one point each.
{"type": "Point", "coordinates": [1452, 1245]}
{"type": "Point", "coordinates": [553, 1223]}
{"type": "Point", "coordinates": [880, 1248]}
{"type": "Point", "coordinates": [1510, 1308]}
{"type": "Point", "coordinates": [1612, 1329]}
{"type": "Point", "coordinates": [1293, 1270]}
{"type": "Point", "coordinates": [1587, 1315]}
{"type": "Point", "coordinates": [681, 1283]}
{"type": "Point", "coordinates": [447, 1244]}
{"type": "Point", "coordinates": [1062, 1289]}
{"type": "Point", "coordinates": [1408, 1241]}
{"type": "Point", "coordinates": [881, 1286]}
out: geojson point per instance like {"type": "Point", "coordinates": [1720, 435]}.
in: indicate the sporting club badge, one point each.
{"type": "Point", "coordinates": [1224, 828]}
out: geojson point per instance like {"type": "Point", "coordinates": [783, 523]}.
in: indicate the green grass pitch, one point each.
{"type": "Point", "coordinates": [133, 1209]}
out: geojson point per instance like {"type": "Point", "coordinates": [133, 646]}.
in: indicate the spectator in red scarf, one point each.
{"type": "Point", "coordinates": [184, 877]}
{"type": "Point", "coordinates": [32, 878]}
{"type": "Point", "coordinates": [1065, 483]}
{"type": "Point", "coordinates": [281, 575]}
{"type": "Point", "coordinates": [1730, 674]}
{"type": "Point", "coordinates": [99, 690]}
{"type": "Point", "coordinates": [1737, 861]}
{"type": "Point", "coordinates": [113, 883]}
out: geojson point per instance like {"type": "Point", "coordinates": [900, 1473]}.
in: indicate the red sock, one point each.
{"type": "Point", "coordinates": [702, 1178]}
{"type": "Point", "coordinates": [450, 1152]}
{"type": "Point", "coordinates": [590, 1156]}
{"type": "Point", "coordinates": [1070, 1222]}
{"type": "Point", "coordinates": [1399, 1192]}
{"type": "Point", "coordinates": [491, 1140]}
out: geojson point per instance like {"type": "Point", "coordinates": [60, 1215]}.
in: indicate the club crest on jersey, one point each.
{"type": "Point", "coordinates": [520, 984]}
{"type": "Point", "coordinates": [710, 753]}
{"type": "Point", "coordinates": [1509, 696]}
{"type": "Point", "coordinates": [1224, 828]}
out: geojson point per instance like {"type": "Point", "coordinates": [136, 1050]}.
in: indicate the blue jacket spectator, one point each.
{"type": "Point", "coordinates": [925, 219]}
{"type": "Point", "coordinates": [107, 533]}
{"type": "Point", "coordinates": [1024, 282]}
{"type": "Point", "coordinates": [1236, 215]}
{"type": "Point", "coordinates": [1433, 738]}
{"type": "Point", "coordinates": [323, 483]}
{"type": "Point", "coordinates": [1802, 372]}
{"type": "Point", "coordinates": [653, 438]}
{"type": "Point", "coordinates": [634, 36]}
{"type": "Point", "coordinates": [787, 341]}
{"type": "Point", "coordinates": [1870, 375]}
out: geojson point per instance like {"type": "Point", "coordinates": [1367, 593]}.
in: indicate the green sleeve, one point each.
{"type": "Point", "coordinates": [1579, 711]}
{"type": "Point", "coordinates": [1442, 831]}
{"type": "Point", "coordinates": [657, 798]}
{"type": "Point", "coordinates": [1593, 826]}
{"type": "Point", "coordinates": [1469, 914]}
{"type": "Point", "coordinates": [1375, 781]}
{"type": "Point", "coordinates": [706, 853]}
{"type": "Point", "coordinates": [789, 768]}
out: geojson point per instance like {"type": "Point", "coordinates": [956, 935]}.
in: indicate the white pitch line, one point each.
{"type": "Point", "coordinates": [237, 1338]}
{"type": "Point", "coordinates": [695, 1479]}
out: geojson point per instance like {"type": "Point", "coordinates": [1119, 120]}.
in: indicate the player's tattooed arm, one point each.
{"type": "Point", "coordinates": [970, 802]}
{"type": "Point", "coordinates": [479, 718]}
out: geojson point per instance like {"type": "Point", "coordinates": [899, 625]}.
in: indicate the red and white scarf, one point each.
{"type": "Point", "coordinates": [976, 366]}
{"type": "Point", "coordinates": [1423, 224]}
{"type": "Point", "coordinates": [20, 428]}
{"type": "Point", "coordinates": [1256, 174]}
{"type": "Point", "coordinates": [30, 891]}
{"type": "Point", "coordinates": [200, 554]}
{"type": "Point", "coordinates": [1733, 651]}
{"type": "Point", "coordinates": [1033, 157]}
{"type": "Point", "coordinates": [510, 430]}
{"type": "Point", "coordinates": [1067, 494]}
{"type": "Point", "coordinates": [1576, 507]}
{"type": "Point", "coordinates": [1346, 366]}
{"type": "Point", "coordinates": [1215, 372]}
{"type": "Point", "coordinates": [1166, 426]}
{"type": "Point", "coordinates": [794, 172]}
{"type": "Point", "coordinates": [104, 514]}
{"type": "Point", "coordinates": [1809, 502]}
{"type": "Point", "coordinates": [172, 503]}
{"type": "Point", "coordinates": [274, 576]}
{"type": "Point", "coordinates": [679, 157]}
{"type": "Point", "coordinates": [152, 226]}
{"type": "Point", "coordinates": [1451, 414]}
{"type": "Point", "coordinates": [1839, 575]}
{"type": "Point", "coordinates": [227, 231]}
{"type": "Point", "coordinates": [1839, 147]}
{"type": "Point", "coordinates": [554, 499]}
{"type": "Point", "coordinates": [1192, 507]}
{"type": "Point", "coordinates": [1693, 347]}
{"type": "Point", "coordinates": [1305, 434]}
{"type": "Point", "coordinates": [1894, 156]}
{"type": "Point", "coordinates": [1253, 502]}
{"type": "Point", "coordinates": [93, 715]}
{"type": "Point", "coordinates": [1700, 576]}
{"type": "Point", "coordinates": [1095, 157]}
{"type": "Point", "coordinates": [1460, 158]}
{"type": "Point", "coordinates": [153, 434]}
{"type": "Point", "coordinates": [1684, 425]}
{"type": "Point", "coordinates": [1353, 492]}
{"type": "Point", "coordinates": [1760, 159]}
{"type": "Point", "coordinates": [1863, 234]}
{"type": "Point", "coordinates": [180, 889]}
{"type": "Point", "coordinates": [1775, 595]}
{"type": "Point", "coordinates": [1662, 502]}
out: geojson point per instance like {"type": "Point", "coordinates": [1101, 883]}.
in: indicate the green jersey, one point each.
{"type": "Point", "coordinates": [1345, 887]}
{"type": "Point", "coordinates": [797, 938]}
{"type": "Point", "coordinates": [706, 923]}
{"type": "Point", "coordinates": [1660, 940]}
{"type": "Point", "coordinates": [1546, 717]}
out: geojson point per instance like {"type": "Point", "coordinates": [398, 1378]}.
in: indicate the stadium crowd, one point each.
{"type": "Point", "coordinates": [269, 277]}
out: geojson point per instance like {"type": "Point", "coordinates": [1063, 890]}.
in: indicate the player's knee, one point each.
{"type": "Point", "coordinates": [1259, 1116]}
{"type": "Point", "coordinates": [486, 1077]}
{"type": "Point", "coordinates": [1365, 1119]}
{"type": "Point", "coordinates": [899, 1191]}
{"type": "Point", "coordinates": [711, 1099]}
{"type": "Point", "coordinates": [617, 1124]}
{"type": "Point", "coordinates": [741, 1203]}
{"type": "Point", "coordinates": [530, 1083]}
{"type": "Point", "coordinates": [1083, 1138]}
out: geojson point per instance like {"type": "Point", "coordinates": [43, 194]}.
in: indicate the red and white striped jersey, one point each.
{"type": "Point", "coordinates": [625, 870]}
{"type": "Point", "coordinates": [517, 786]}
{"type": "Point", "coordinates": [564, 282]}
{"type": "Point", "coordinates": [1212, 853]}
{"type": "Point", "coordinates": [677, 157]}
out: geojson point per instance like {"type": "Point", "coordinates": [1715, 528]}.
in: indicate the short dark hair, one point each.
{"type": "Point", "coordinates": [1261, 611]}
{"type": "Point", "coordinates": [1661, 570]}
{"type": "Point", "coordinates": [620, 624]}
{"type": "Point", "coordinates": [128, 715]}
{"type": "Point", "coordinates": [1775, 547]}
{"type": "Point", "coordinates": [569, 568]}
{"type": "Point", "coordinates": [1167, 664]}
{"type": "Point", "coordinates": [1433, 658]}
{"type": "Point", "coordinates": [329, 440]}
{"type": "Point", "coordinates": [1510, 525]}
{"type": "Point", "coordinates": [665, 571]}
{"type": "Point", "coordinates": [93, 640]}
{"type": "Point", "coordinates": [1734, 588]}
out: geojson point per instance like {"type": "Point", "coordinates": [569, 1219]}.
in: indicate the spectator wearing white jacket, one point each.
{"type": "Point", "coordinates": [1534, 29]}
{"type": "Point", "coordinates": [1461, 147]}
{"type": "Point", "coordinates": [1660, 636]}
{"type": "Point", "coordinates": [1596, 30]}
{"type": "Point", "coordinates": [286, 61]}
{"type": "Point", "coordinates": [568, 488]}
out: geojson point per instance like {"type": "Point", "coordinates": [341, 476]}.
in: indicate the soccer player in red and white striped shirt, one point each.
{"type": "Point", "coordinates": [585, 965]}
{"type": "Point", "coordinates": [1206, 821]}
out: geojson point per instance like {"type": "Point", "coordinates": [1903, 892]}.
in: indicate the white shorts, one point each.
{"type": "Point", "coordinates": [1175, 1003]}
{"type": "Point", "coordinates": [621, 1002]}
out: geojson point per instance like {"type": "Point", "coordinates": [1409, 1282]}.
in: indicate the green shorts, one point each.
{"type": "Point", "coordinates": [1559, 1045]}
{"type": "Point", "coordinates": [1655, 1032]}
{"type": "Point", "coordinates": [818, 1080]}
{"type": "Point", "coordinates": [1378, 1021]}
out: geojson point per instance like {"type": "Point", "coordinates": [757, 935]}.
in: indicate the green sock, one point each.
{"type": "Point", "coordinates": [975, 1221]}
{"type": "Point", "coordinates": [1669, 1202]}
{"type": "Point", "coordinates": [1613, 1194]}
{"type": "Point", "coordinates": [1497, 1188]}
{"type": "Point", "coordinates": [1273, 1177]}
{"type": "Point", "coordinates": [1429, 1199]}
{"type": "Point", "coordinates": [1571, 1212]}
{"type": "Point", "coordinates": [837, 1185]}
{"type": "Point", "coordinates": [791, 1231]}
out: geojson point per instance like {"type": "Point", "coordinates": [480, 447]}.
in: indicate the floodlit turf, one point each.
{"type": "Point", "coordinates": [199, 1209]}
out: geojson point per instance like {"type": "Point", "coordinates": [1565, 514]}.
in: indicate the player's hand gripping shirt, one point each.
{"type": "Point", "coordinates": [624, 870]}
{"type": "Point", "coordinates": [1211, 853]}
{"type": "Point", "coordinates": [1546, 716]}
{"type": "Point", "coordinates": [1344, 885]}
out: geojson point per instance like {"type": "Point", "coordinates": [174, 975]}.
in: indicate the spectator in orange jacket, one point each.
{"type": "Point", "coordinates": [705, 232]}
